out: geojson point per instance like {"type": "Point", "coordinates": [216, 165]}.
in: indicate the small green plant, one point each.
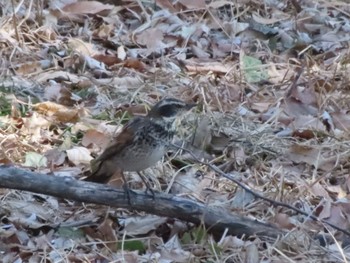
{"type": "Point", "coordinates": [5, 106]}
{"type": "Point", "coordinates": [132, 245]}
{"type": "Point", "coordinates": [201, 237]}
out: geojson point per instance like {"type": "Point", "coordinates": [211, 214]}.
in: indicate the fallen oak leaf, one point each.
{"type": "Point", "coordinates": [59, 113]}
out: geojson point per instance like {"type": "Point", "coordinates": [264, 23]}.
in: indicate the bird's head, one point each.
{"type": "Point", "coordinates": [169, 108]}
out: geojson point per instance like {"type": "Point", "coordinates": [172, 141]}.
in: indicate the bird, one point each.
{"type": "Point", "coordinates": [142, 142]}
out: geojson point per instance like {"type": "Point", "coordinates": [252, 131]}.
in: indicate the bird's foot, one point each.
{"type": "Point", "coordinates": [148, 189]}
{"type": "Point", "coordinates": [128, 193]}
{"type": "Point", "coordinates": [148, 186]}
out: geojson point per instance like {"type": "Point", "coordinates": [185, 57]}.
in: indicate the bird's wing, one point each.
{"type": "Point", "coordinates": [121, 141]}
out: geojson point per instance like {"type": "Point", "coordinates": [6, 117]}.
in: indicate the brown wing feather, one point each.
{"type": "Point", "coordinates": [103, 168]}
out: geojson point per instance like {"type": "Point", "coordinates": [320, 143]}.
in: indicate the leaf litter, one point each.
{"type": "Point", "coordinates": [73, 72]}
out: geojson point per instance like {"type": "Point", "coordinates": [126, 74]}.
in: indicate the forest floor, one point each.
{"type": "Point", "coordinates": [271, 83]}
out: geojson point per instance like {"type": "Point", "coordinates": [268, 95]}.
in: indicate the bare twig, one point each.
{"type": "Point", "coordinates": [14, 19]}
{"type": "Point", "coordinates": [257, 195]}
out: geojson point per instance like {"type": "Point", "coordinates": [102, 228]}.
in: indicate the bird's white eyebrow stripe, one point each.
{"type": "Point", "coordinates": [173, 102]}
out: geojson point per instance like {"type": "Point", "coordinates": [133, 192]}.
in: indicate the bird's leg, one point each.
{"type": "Point", "coordinates": [148, 187]}
{"type": "Point", "coordinates": [126, 188]}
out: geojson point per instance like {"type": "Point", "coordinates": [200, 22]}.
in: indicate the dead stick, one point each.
{"type": "Point", "coordinates": [216, 219]}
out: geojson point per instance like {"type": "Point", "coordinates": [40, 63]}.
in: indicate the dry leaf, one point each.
{"type": "Point", "coordinates": [252, 254]}
{"type": "Point", "coordinates": [283, 221]}
{"type": "Point", "coordinates": [152, 39]}
{"type": "Point", "coordinates": [121, 53]}
{"type": "Point", "coordinates": [104, 31]}
{"type": "Point", "coordinates": [32, 67]}
{"type": "Point", "coordinates": [341, 120]}
{"type": "Point", "coordinates": [140, 225]}
{"type": "Point", "coordinates": [189, 182]}
{"type": "Point", "coordinates": [36, 160]}
{"type": "Point", "coordinates": [109, 60]}
{"type": "Point", "coordinates": [166, 4]}
{"type": "Point", "coordinates": [55, 157]}
{"type": "Point", "coordinates": [82, 47]}
{"type": "Point", "coordinates": [79, 155]}
{"type": "Point", "coordinates": [193, 4]}
{"type": "Point", "coordinates": [95, 137]}
{"type": "Point", "coordinates": [58, 74]}
{"type": "Point", "coordinates": [87, 7]}
{"type": "Point", "coordinates": [135, 64]}
{"type": "Point", "coordinates": [59, 113]}
{"type": "Point", "coordinates": [206, 66]}
{"type": "Point", "coordinates": [62, 95]}
{"type": "Point", "coordinates": [304, 134]}
{"type": "Point", "coordinates": [303, 154]}
{"type": "Point", "coordinates": [268, 21]}
{"type": "Point", "coordinates": [107, 232]}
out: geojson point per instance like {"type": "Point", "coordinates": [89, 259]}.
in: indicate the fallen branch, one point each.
{"type": "Point", "coordinates": [216, 219]}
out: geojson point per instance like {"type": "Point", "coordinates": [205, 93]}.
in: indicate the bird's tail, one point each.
{"type": "Point", "coordinates": [100, 172]}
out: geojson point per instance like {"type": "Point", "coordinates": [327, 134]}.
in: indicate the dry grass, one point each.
{"type": "Point", "coordinates": [287, 141]}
